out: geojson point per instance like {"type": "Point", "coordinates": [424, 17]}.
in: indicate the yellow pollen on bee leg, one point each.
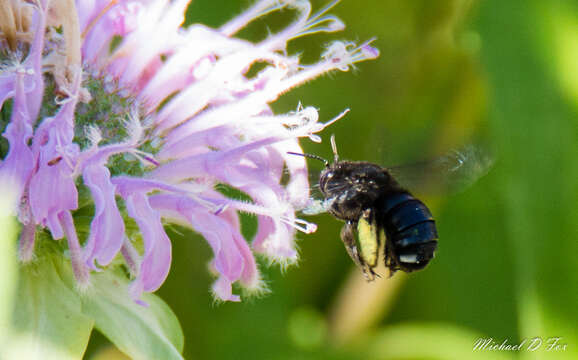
{"type": "Point", "coordinates": [368, 242]}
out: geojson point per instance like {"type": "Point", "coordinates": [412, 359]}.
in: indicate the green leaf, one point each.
{"type": "Point", "coordinates": [48, 320]}
{"type": "Point", "coordinates": [151, 332]}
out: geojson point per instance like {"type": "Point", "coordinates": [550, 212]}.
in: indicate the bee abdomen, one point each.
{"type": "Point", "coordinates": [411, 231]}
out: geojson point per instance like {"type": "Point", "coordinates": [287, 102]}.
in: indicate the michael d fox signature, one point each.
{"type": "Point", "coordinates": [551, 344]}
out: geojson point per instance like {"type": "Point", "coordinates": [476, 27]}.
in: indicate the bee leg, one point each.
{"type": "Point", "coordinates": [348, 238]}
{"type": "Point", "coordinates": [390, 259]}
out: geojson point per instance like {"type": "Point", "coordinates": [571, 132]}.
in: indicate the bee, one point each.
{"type": "Point", "coordinates": [382, 213]}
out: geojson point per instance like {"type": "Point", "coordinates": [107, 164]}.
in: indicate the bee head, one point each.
{"type": "Point", "coordinates": [359, 177]}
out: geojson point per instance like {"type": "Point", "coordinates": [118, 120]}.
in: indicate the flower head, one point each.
{"type": "Point", "coordinates": [148, 118]}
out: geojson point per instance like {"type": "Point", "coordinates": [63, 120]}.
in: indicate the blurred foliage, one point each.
{"type": "Point", "coordinates": [451, 72]}
{"type": "Point", "coordinates": [8, 268]}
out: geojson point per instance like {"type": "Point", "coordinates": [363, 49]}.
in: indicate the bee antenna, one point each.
{"type": "Point", "coordinates": [311, 156]}
{"type": "Point", "coordinates": [334, 148]}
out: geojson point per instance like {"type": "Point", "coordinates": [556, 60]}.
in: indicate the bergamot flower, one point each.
{"type": "Point", "coordinates": [117, 105]}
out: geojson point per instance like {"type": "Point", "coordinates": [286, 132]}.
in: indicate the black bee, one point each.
{"type": "Point", "coordinates": [372, 203]}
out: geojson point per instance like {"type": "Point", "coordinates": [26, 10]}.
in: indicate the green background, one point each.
{"type": "Point", "coordinates": [451, 72]}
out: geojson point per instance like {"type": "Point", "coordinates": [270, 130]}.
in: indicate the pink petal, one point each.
{"type": "Point", "coordinates": [157, 245]}
{"type": "Point", "coordinates": [107, 227]}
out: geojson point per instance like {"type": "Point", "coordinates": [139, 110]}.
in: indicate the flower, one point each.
{"type": "Point", "coordinates": [119, 101]}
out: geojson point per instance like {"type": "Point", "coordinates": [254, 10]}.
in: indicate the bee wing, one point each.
{"type": "Point", "coordinates": [450, 173]}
